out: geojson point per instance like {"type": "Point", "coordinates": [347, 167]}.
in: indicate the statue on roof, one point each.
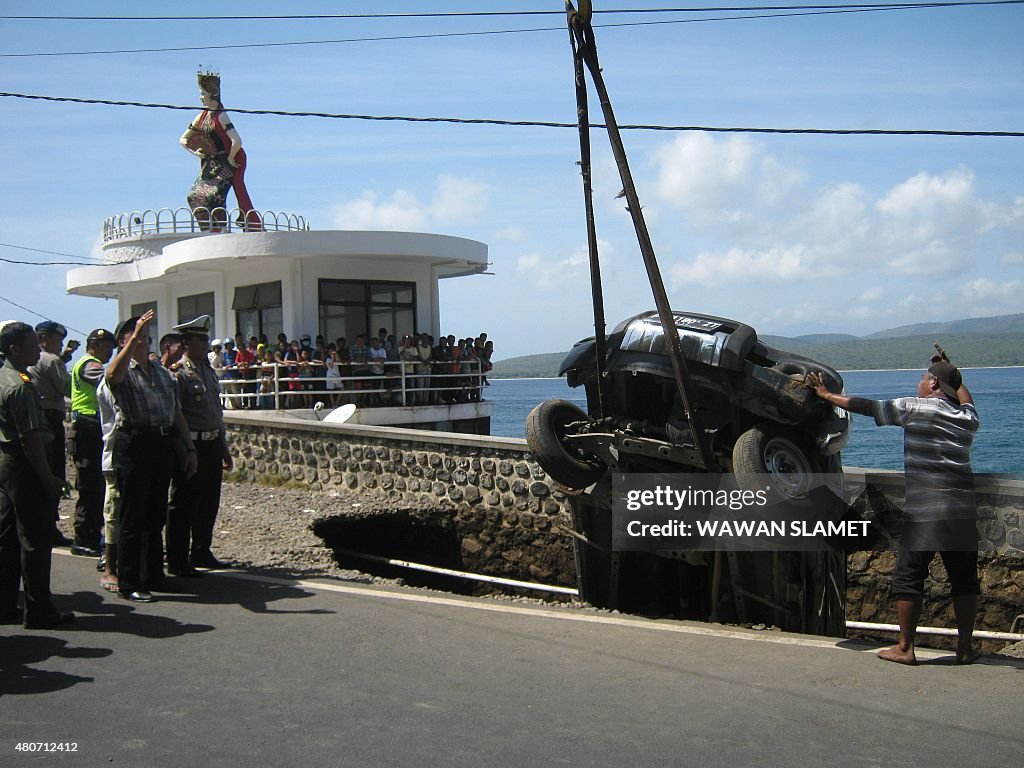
{"type": "Point", "coordinates": [213, 139]}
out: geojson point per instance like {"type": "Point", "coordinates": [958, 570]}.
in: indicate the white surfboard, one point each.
{"type": "Point", "coordinates": [340, 415]}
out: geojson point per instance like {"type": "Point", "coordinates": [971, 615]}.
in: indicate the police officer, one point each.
{"type": "Point", "coordinates": [195, 499]}
{"type": "Point", "coordinates": [85, 441]}
{"type": "Point", "coordinates": [50, 375]}
{"type": "Point", "coordinates": [28, 487]}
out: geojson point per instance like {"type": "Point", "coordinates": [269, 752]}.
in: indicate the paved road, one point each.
{"type": "Point", "coordinates": [250, 671]}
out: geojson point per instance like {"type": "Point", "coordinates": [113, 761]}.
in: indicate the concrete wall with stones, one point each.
{"type": "Point", "coordinates": [1001, 514]}
{"type": "Point", "coordinates": [503, 507]}
{"type": "Point", "coordinates": [506, 509]}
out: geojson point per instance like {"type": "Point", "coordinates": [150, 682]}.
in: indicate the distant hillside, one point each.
{"type": "Point", "coordinates": [895, 348]}
{"type": "Point", "coordinates": [997, 324]}
{"type": "Point", "coordinates": [528, 366]}
{"type": "Point", "coordinates": [811, 338]}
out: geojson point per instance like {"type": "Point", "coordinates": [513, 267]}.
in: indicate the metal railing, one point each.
{"type": "Point", "coordinates": [281, 386]}
{"type": "Point", "coordinates": [164, 221]}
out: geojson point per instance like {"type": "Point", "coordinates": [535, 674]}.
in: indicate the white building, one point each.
{"type": "Point", "coordinates": [285, 278]}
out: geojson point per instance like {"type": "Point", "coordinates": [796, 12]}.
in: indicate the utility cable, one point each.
{"type": "Point", "coordinates": [49, 253]}
{"type": "Point", "coordinates": [33, 312]}
{"type": "Point", "coordinates": [426, 36]}
{"type": "Point", "coordinates": [480, 14]}
{"type": "Point", "coordinates": [532, 123]}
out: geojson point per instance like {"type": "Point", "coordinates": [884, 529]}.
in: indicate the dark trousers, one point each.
{"type": "Point", "coordinates": [26, 537]}
{"type": "Point", "coordinates": [55, 453]}
{"type": "Point", "coordinates": [85, 439]}
{"type": "Point", "coordinates": [194, 504]}
{"type": "Point", "coordinates": [142, 465]}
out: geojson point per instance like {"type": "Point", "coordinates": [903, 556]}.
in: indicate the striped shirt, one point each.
{"type": "Point", "coordinates": [146, 400]}
{"type": "Point", "coordinates": [937, 438]}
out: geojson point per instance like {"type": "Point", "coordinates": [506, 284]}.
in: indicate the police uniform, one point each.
{"type": "Point", "coordinates": [195, 500]}
{"type": "Point", "coordinates": [85, 443]}
{"type": "Point", "coordinates": [50, 376]}
{"type": "Point", "coordinates": [26, 525]}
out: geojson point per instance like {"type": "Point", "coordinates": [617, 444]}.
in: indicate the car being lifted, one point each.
{"type": "Point", "coordinates": [750, 402]}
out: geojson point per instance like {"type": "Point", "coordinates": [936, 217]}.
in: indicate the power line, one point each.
{"type": "Point", "coordinates": [533, 123]}
{"type": "Point", "coordinates": [33, 312]}
{"type": "Point", "coordinates": [50, 253]}
{"type": "Point", "coordinates": [481, 14]}
{"type": "Point", "coordinates": [436, 35]}
{"type": "Point", "coordinates": [48, 263]}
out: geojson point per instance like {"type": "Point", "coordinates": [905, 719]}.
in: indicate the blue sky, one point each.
{"type": "Point", "coordinates": [792, 234]}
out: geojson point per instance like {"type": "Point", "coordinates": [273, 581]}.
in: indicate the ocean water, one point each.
{"type": "Point", "coordinates": [998, 447]}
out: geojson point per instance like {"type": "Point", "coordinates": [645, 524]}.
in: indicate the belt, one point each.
{"type": "Point", "coordinates": [88, 418]}
{"type": "Point", "coordinates": [146, 430]}
{"type": "Point", "coordinates": [212, 435]}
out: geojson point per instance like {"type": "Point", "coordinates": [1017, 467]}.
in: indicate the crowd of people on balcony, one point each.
{"type": "Point", "coordinates": [372, 371]}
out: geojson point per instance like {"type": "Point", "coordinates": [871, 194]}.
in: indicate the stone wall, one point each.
{"type": "Point", "coordinates": [497, 503]}
{"type": "Point", "coordinates": [1000, 512]}
{"type": "Point", "coordinates": [504, 511]}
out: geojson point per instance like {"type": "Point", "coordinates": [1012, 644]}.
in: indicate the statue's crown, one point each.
{"type": "Point", "coordinates": [209, 80]}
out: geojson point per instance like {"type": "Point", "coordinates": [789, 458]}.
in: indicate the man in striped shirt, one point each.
{"type": "Point", "coordinates": [940, 514]}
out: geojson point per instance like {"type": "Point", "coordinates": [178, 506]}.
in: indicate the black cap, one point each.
{"type": "Point", "coordinates": [100, 334]}
{"type": "Point", "coordinates": [51, 326]}
{"type": "Point", "coordinates": [948, 377]}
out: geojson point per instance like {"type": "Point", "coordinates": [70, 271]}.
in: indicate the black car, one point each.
{"type": "Point", "coordinates": [752, 403]}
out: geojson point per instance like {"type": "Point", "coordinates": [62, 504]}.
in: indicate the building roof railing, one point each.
{"type": "Point", "coordinates": [168, 221]}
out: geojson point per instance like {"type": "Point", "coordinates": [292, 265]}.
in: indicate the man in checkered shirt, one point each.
{"type": "Point", "coordinates": [940, 515]}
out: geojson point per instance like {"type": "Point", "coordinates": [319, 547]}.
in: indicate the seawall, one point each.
{"type": "Point", "coordinates": [491, 509]}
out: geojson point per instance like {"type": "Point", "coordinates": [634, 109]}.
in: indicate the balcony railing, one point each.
{"type": "Point", "coordinates": [280, 386]}
{"type": "Point", "coordinates": [169, 221]}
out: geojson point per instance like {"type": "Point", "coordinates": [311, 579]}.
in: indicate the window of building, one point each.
{"type": "Point", "coordinates": [258, 310]}
{"type": "Point", "coordinates": [350, 307]}
{"type": "Point", "coordinates": [191, 307]}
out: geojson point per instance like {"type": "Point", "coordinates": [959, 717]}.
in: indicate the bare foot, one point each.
{"type": "Point", "coordinates": [109, 582]}
{"type": "Point", "coordinates": [967, 655]}
{"type": "Point", "coordinates": [898, 655]}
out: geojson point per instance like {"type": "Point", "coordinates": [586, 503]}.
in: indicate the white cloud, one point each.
{"type": "Point", "coordinates": [457, 200]}
{"type": "Point", "coordinates": [983, 291]}
{"type": "Point", "coordinates": [771, 265]}
{"type": "Point", "coordinates": [713, 180]}
{"type": "Point", "coordinates": [510, 235]}
{"type": "Point", "coordinates": [399, 212]}
{"type": "Point", "coordinates": [547, 274]}
{"type": "Point", "coordinates": [778, 229]}
{"type": "Point", "coordinates": [872, 295]}
{"type": "Point", "coordinates": [930, 225]}
{"type": "Point", "coordinates": [1014, 258]}
{"type": "Point", "coordinates": [454, 201]}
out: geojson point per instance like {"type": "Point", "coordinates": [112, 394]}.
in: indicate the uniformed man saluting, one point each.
{"type": "Point", "coordinates": [28, 487]}
{"type": "Point", "coordinates": [195, 499]}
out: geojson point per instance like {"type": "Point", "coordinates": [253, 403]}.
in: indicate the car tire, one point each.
{"type": "Point", "coordinates": [767, 449]}
{"type": "Point", "coordinates": [545, 428]}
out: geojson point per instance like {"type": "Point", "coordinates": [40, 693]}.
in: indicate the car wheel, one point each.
{"type": "Point", "coordinates": [546, 426]}
{"type": "Point", "coordinates": [768, 450]}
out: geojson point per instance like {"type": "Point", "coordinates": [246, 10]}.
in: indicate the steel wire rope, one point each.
{"type": "Point", "coordinates": [530, 123]}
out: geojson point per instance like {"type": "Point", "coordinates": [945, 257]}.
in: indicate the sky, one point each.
{"type": "Point", "coordinates": [792, 234]}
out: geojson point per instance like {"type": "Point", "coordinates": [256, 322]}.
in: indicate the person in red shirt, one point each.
{"type": "Point", "coordinates": [245, 359]}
